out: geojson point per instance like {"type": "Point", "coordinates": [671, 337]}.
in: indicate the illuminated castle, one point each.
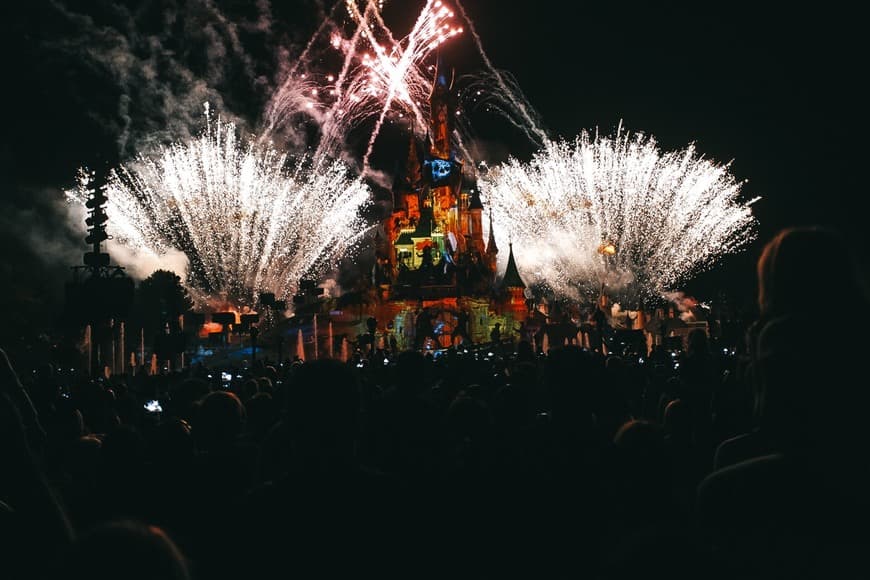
{"type": "Point", "coordinates": [432, 260]}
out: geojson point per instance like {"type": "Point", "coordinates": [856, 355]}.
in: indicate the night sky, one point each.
{"type": "Point", "coordinates": [776, 91]}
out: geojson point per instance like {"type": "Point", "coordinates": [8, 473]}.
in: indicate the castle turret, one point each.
{"type": "Point", "coordinates": [413, 180]}
{"type": "Point", "coordinates": [413, 171]}
{"type": "Point", "coordinates": [475, 219]}
{"type": "Point", "coordinates": [406, 201]}
{"type": "Point", "coordinates": [512, 283]}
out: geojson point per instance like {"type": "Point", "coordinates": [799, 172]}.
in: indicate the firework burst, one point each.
{"type": "Point", "coordinates": [354, 70]}
{"type": "Point", "coordinates": [377, 75]}
{"type": "Point", "coordinates": [616, 212]}
{"type": "Point", "coordinates": [247, 218]}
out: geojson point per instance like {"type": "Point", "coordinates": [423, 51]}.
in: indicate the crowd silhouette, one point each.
{"type": "Point", "coordinates": [574, 464]}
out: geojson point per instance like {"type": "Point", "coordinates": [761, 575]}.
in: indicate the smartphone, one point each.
{"type": "Point", "coordinates": [226, 379]}
{"type": "Point", "coordinates": [153, 406]}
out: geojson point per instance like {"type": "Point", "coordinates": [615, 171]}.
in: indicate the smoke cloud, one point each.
{"type": "Point", "coordinates": [141, 264]}
{"type": "Point", "coordinates": [144, 74]}
{"type": "Point", "coordinates": [99, 82]}
{"type": "Point", "coordinates": [47, 226]}
{"type": "Point", "coordinates": [686, 305]}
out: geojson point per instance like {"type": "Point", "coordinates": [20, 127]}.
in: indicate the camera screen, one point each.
{"type": "Point", "coordinates": [153, 406]}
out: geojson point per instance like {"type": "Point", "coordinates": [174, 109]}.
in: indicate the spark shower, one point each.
{"type": "Point", "coordinates": [246, 221]}
{"type": "Point", "coordinates": [616, 212]}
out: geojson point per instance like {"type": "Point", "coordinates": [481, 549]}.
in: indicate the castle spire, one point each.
{"type": "Point", "coordinates": [491, 248]}
{"type": "Point", "coordinates": [413, 167]}
{"type": "Point", "coordinates": [474, 202]}
{"type": "Point", "coordinates": [512, 277]}
{"type": "Point", "coordinates": [440, 112]}
{"type": "Point", "coordinates": [441, 82]}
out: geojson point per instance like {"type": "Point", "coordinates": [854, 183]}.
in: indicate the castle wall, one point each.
{"type": "Point", "coordinates": [431, 324]}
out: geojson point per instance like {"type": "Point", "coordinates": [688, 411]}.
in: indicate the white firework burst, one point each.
{"type": "Point", "coordinates": [616, 213]}
{"type": "Point", "coordinates": [247, 218]}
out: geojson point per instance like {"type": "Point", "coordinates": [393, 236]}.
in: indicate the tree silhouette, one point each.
{"type": "Point", "coordinates": [159, 302]}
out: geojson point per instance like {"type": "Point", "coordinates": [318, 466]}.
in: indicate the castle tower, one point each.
{"type": "Point", "coordinates": [473, 222]}
{"type": "Point", "coordinates": [443, 172]}
{"type": "Point", "coordinates": [440, 110]}
{"type": "Point", "coordinates": [512, 283]}
{"type": "Point", "coordinates": [413, 180]}
{"type": "Point", "coordinates": [406, 203]}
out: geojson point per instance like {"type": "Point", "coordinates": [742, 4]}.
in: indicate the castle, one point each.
{"type": "Point", "coordinates": [435, 282]}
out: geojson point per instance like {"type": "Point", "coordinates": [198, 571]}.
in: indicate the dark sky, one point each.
{"type": "Point", "coordinates": [777, 91]}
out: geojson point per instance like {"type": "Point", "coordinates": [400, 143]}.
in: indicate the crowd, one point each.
{"type": "Point", "coordinates": [574, 464]}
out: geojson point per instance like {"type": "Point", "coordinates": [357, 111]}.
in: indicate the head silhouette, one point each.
{"type": "Point", "coordinates": [219, 422]}
{"type": "Point", "coordinates": [803, 391]}
{"type": "Point", "coordinates": [643, 465]}
{"type": "Point", "coordinates": [324, 408]}
{"type": "Point", "coordinates": [126, 549]}
{"type": "Point", "coordinates": [677, 421]}
{"type": "Point", "coordinates": [802, 265]}
{"type": "Point", "coordinates": [696, 342]}
{"type": "Point", "coordinates": [410, 372]}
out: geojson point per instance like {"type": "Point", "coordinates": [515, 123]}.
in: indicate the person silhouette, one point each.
{"type": "Point", "coordinates": [495, 334]}
{"type": "Point", "coordinates": [461, 328]}
{"type": "Point", "coordinates": [34, 526]}
{"type": "Point", "coordinates": [795, 491]}
{"type": "Point", "coordinates": [127, 548]}
{"type": "Point", "coordinates": [424, 329]}
{"type": "Point", "coordinates": [600, 331]}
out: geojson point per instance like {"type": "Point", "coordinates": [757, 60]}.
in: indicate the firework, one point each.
{"type": "Point", "coordinates": [247, 219]}
{"type": "Point", "coordinates": [498, 92]}
{"type": "Point", "coordinates": [378, 75]}
{"type": "Point", "coordinates": [617, 213]}
{"type": "Point", "coordinates": [377, 78]}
